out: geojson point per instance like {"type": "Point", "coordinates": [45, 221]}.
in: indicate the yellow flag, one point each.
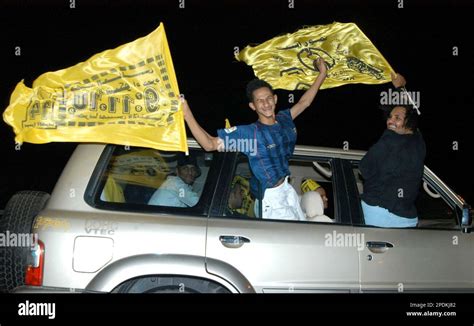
{"type": "Point", "coordinates": [128, 96]}
{"type": "Point", "coordinates": [113, 192]}
{"type": "Point", "coordinates": [144, 167]}
{"type": "Point", "coordinates": [286, 61]}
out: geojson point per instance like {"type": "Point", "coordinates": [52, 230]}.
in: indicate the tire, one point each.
{"type": "Point", "coordinates": [18, 217]}
{"type": "Point", "coordinates": [170, 284]}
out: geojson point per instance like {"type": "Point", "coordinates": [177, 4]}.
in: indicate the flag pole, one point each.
{"type": "Point", "coordinates": [404, 90]}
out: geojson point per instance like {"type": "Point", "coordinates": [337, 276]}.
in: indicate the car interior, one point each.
{"type": "Point", "coordinates": [311, 202]}
{"type": "Point", "coordinates": [133, 176]}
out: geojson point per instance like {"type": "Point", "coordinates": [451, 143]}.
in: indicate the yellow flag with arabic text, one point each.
{"type": "Point", "coordinates": [127, 96]}
{"type": "Point", "coordinates": [286, 61]}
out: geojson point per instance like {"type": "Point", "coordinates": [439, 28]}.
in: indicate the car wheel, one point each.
{"type": "Point", "coordinates": [16, 222]}
{"type": "Point", "coordinates": [170, 285]}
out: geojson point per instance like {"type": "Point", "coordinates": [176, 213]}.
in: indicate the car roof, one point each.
{"type": "Point", "coordinates": [306, 150]}
{"type": "Point", "coordinates": [303, 150]}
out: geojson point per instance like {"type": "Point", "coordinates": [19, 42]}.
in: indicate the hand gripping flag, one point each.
{"type": "Point", "coordinates": [128, 96]}
{"type": "Point", "coordinates": [286, 61]}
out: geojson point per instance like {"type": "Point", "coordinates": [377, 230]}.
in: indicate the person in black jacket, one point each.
{"type": "Point", "coordinates": [393, 169]}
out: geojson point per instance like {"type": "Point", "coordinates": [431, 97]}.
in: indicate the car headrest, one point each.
{"type": "Point", "coordinates": [312, 204]}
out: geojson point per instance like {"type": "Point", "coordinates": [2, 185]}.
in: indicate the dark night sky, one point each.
{"type": "Point", "coordinates": [417, 41]}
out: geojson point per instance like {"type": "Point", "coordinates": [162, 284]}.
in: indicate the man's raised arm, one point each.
{"type": "Point", "coordinates": [207, 142]}
{"type": "Point", "coordinates": [310, 94]}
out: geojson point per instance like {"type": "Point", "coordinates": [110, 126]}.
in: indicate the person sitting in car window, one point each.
{"type": "Point", "coordinates": [271, 140]}
{"type": "Point", "coordinates": [393, 169]}
{"type": "Point", "coordinates": [177, 189]}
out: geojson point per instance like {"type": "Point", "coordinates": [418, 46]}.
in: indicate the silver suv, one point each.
{"type": "Point", "coordinates": [98, 233]}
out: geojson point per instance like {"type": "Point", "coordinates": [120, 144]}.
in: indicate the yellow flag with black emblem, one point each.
{"type": "Point", "coordinates": [144, 167]}
{"type": "Point", "coordinates": [286, 61]}
{"type": "Point", "coordinates": [127, 96]}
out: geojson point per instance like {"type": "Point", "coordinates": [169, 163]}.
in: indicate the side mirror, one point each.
{"type": "Point", "coordinates": [466, 219]}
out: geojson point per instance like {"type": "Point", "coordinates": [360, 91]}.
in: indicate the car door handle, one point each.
{"type": "Point", "coordinates": [378, 247]}
{"type": "Point", "coordinates": [233, 241]}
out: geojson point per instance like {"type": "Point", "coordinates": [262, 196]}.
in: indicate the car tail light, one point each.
{"type": "Point", "coordinates": [34, 271]}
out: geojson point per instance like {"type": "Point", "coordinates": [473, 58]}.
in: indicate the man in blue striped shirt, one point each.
{"type": "Point", "coordinates": [268, 143]}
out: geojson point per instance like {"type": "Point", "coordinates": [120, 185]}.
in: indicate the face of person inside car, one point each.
{"type": "Point", "coordinates": [236, 197]}
{"type": "Point", "coordinates": [187, 173]}
{"type": "Point", "coordinates": [322, 192]}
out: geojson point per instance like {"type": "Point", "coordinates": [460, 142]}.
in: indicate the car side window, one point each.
{"type": "Point", "coordinates": [434, 211]}
{"type": "Point", "coordinates": [152, 177]}
{"type": "Point", "coordinates": [311, 180]}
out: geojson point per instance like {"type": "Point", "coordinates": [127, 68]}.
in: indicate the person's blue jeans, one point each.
{"type": "Point", "coordinates": [379, 216]}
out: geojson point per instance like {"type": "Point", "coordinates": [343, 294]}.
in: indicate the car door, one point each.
{"type": "Point", "coordinates": [285, 256]}
{"type": "Point", "coordinates": [406, 260]}
{"type": "Point", "coordinates": [435, 256]}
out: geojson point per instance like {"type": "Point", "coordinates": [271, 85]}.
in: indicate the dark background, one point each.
{"type": "Point", "coordinates": [417, 40]}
